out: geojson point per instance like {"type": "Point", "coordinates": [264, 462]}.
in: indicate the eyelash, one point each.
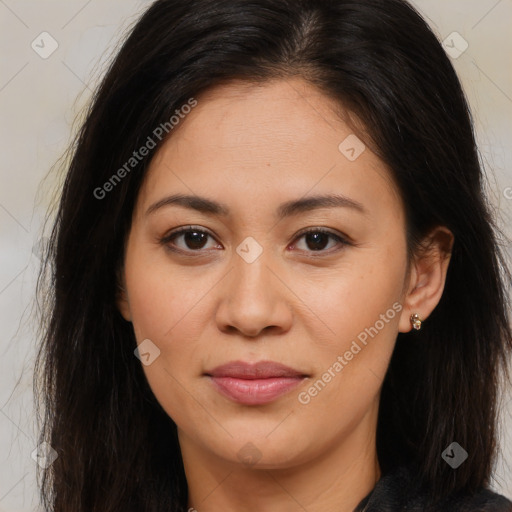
{"type": "Point", "coordinates": [166, 239]}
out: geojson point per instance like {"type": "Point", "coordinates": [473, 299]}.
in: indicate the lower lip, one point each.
{"type": "Point", "coordinates": [255, 391]}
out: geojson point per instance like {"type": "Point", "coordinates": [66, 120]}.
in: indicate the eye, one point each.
{"type": "Point", "coordinates": [193, 238]}
{"type": "Point", "coordinates": [316, 240]}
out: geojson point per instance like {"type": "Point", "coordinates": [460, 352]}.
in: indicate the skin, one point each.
{"type": "Point", "coordinates": [253, 148]}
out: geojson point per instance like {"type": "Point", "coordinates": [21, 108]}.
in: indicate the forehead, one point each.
{"type": "Point", "coordinates": [279, 118]}
{"type": "Point", "coordinates": [262, 141]}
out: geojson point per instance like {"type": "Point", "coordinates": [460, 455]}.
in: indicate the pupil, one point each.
{"type": "Point", "coordinates": [193, 239]}
{"type": "Point", "coordinates": [317, 240]}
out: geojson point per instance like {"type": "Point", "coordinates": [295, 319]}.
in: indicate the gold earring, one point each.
{"type": "Point", "coordinates": [416, 321]}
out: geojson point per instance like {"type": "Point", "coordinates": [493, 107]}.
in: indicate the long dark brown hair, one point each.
{"type": "Point", "coordinates": [117, 448]}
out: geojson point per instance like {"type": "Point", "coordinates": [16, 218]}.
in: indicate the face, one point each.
{"type": "Point", "coordinates": [291, 254]}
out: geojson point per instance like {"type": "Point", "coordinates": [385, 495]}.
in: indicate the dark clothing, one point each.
{"type": "Point", "coordinates": [394, 493]}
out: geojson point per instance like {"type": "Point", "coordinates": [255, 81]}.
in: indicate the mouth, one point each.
{"type": "Point", "coordinates": [254, 383]}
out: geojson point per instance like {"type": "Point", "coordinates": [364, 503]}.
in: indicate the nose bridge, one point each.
{"type": "Point", "coordinates": [254, 298]}
{"type": "Point", "coordinates": [252, 284]}
{"type": "Point", "coordinates": [251, 274]}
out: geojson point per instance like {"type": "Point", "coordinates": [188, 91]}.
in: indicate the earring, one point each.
{"type": "Point", "coordinates": [416, 321]}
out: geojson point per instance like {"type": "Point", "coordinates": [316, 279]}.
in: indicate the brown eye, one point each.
{"type": "Point", "coordinates": [194, 239]}
{"type": "Point", "coordinates": [316, 240]}
{"type": "Point", "coordinates": [187, 239]}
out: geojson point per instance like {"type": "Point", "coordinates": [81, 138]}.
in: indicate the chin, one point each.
{"type": "Point", "coordinates": [261, 452]}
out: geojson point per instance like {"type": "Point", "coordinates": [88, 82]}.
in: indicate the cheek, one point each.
{"type": "Point", "coordinates": [356, 295]}
{"type": "Point", "coordinates": [163, 298]}
{"type": "Point", "coordinates": [165, 309]}
{"type": "Point", "coordinates": [361, 308]}
{"type": "Point", "coordinates": [174, 322]}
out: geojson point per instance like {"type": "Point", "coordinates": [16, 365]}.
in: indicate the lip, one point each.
{"type": "Point", "coordinates": [254, 383]}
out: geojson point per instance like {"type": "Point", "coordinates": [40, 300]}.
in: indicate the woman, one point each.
{"type": "Point", "coordinates": [275, 282]}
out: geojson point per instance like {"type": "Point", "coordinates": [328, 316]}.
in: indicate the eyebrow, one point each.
{"type": "Point", "coordinates": [287, 209]}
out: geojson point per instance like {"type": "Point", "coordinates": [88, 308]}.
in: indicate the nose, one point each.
{"type": "Point", "coordinates": [254, 300]}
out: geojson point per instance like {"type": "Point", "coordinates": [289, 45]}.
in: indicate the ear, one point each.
{"type": "Point", "coordinates": [427, 277]}
{"type": "Point", "coordinates": [122, 297]}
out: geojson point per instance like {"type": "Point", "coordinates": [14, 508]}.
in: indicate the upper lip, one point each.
{"type": "Point", "coordinates": [258, 370]}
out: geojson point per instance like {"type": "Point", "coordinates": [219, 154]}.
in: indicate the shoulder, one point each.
{"type": "Point", "coordinates": [394, 492]}
{"type": "Point", "coordinates": [483, 501]}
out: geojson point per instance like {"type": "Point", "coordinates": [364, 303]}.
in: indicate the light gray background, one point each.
{"type": "Point", "coordinates": [39, 101]}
